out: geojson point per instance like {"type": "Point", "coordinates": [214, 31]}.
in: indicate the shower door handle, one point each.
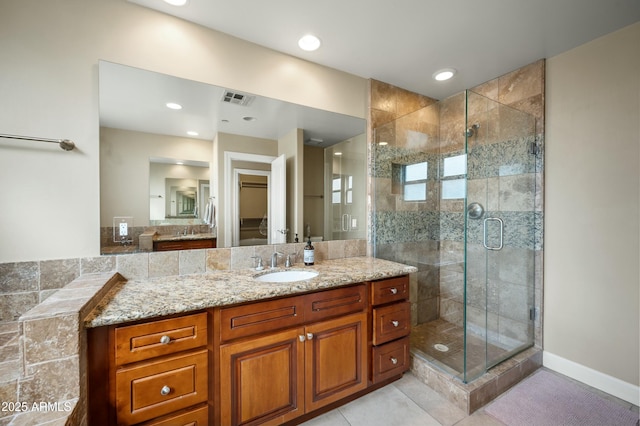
{"type": "Point", "coordinates": [484, 239]}
{"type": "Point", "coordinates": [346, 221]}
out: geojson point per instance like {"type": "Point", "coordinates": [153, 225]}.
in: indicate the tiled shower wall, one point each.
{"type": "Point", "coordinates": [429, 235]}
{"type": "Point", "coordinates": [405, 128]}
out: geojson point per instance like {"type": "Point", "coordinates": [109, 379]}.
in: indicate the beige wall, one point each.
{"type": "Point", "coordinates": [253, 200]}
{"type": "Point", "coordinates": [50, 89]}
{"type": "Point", "coordinates": [124, 169]}
{"type": "Point", "coordinates": [313, 214]}
{"type": "Point", "coordinates": [591, 257]}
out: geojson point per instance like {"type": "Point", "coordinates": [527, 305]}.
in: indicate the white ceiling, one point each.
{"type": "Point", "coordinates": [135, 99]}
{"type": "Point", "coordinates": [403, 42]}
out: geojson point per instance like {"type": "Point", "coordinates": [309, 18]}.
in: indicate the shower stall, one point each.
{"type": "Point", "coordinates": [454, 194]}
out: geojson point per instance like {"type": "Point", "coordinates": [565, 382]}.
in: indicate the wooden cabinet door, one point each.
{"type": "Point", "coordinates": [262, 379]}
{"type": "Point", "coordinates": [335, 359]}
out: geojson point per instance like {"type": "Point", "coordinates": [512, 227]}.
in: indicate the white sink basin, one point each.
{"type": "Point", "coordinates": [286, 276]}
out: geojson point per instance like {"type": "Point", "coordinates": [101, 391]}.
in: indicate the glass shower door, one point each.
{"type": "Point", "coordinates": [345, 190]}
{"type": "Point", "coordinates": [499, 233]}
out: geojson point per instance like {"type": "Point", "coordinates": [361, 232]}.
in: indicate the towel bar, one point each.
{"type": "Point", "coordinates": [65, 144]}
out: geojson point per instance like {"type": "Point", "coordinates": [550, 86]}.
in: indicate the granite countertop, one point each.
{"type": "Point", "coordinates": [132, 300]}
{"type": "Point", "coordinates": [184, 237]}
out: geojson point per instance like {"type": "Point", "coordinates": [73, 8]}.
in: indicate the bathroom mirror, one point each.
{"type": "Point", "coordinates": [178, 191]}
{"type": "Point", "coordinates": [137, 126]}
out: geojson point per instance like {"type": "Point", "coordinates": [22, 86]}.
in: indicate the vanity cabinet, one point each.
{"type": "Point", "coordinates": [157, 372]}
{"type": "Point", "coordinates": [275, 377]}
{"type": "Point", "coordinates": [391, 326]}
{"type": "Point", "coordinates": [186, 244]}
{"type": "Point", "coordinates": [265, 362]}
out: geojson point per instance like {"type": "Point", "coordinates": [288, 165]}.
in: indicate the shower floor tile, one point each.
{"type": "Point", "coordinates": [425, 338]}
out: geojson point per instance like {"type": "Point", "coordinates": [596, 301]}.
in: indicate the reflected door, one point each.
{"type": "Point", "coordinates": [278, 201]}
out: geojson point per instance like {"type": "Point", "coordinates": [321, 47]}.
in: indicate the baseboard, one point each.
{"type": "Point", "coordinates": [605, 383]}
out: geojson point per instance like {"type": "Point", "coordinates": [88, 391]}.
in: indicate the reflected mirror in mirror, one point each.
{"type": "Point", "coordinates": [178, 191]}
{"type": "Point", "coordinates": [214, 124]}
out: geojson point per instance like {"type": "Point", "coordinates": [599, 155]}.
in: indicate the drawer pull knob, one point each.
{"type": "Point", "coordinates": [165, 340]}
{"type": "Point", "coordinates": [309, 336]}
{"type": "Point", "coordinates": [166, 390]}
{"type": "Point", "coordinates": [393, 290]}
{"type": "Point", "coordinates": [395, 323]}
{"type": "Point", "coordinates": [394, 360]}
{"type": "Point", "coordinates": [302, 338]}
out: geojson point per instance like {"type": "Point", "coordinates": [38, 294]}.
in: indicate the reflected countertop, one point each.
{"type": "Point", "coordinates": [182, 237]}
{"type": "Point", "coordinates": [132, 300]}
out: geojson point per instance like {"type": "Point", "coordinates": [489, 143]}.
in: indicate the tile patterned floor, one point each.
{"type": "Point", "coordinates": [408, 402]}
{"type": "Point", "coordinates": [425, 337]}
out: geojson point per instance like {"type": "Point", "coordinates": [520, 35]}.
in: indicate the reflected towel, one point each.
{"type": "Point", "coordinates": [210, 214]}
{"type": "Point", "coordinates": [207, 209]}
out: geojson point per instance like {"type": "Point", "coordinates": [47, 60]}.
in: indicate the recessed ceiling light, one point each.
{"type": "Point", "coordinates": [337, 154]}
{"type": "Point", "coordinates": [192, 133]}
{"type": "Point", "coordinates": [173, 105]}
{"type": "Point", "coordinates": [383, 143]}
{"type": "Point", "coordinates": [176, 2]}
{"type": "Point", "coordinates": [444, 74]}
{"type": "Point", "coordinates": [309, 43]}
{"type": "Point", "coordinates": [180, 163]}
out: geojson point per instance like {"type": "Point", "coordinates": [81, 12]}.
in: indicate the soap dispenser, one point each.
{"type": "Point", "coordinates": [309, 255]}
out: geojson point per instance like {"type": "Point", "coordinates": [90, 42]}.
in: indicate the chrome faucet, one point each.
{"type": "Point", "coordinates": [259, 266]}
{"type": "Point", "coordinates": [274, 259]}
{"type": "Point", "coordinates": [288, 263]}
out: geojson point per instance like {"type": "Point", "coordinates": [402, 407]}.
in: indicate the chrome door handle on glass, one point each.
{"type": "Point", "coordinates": [484, 239]}
{"type": "Point", "coordinates": [345, 222]}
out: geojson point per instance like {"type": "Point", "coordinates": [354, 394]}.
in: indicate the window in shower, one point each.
{"type": "Point", "coordinates": [337, 186]}
{"type": "Point", "coordinates": [415, 181]}
{"type": "Point", "coordinates": [336, 190]}
{"type": "Point", "coordinates": [454, 184]}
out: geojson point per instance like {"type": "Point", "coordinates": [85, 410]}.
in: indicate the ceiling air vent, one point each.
{"type": "Point", "coordinates": [236, 98]}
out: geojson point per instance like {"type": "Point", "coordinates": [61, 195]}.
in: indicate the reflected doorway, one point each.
{"type": "Point", "coordinates": [252, 222]}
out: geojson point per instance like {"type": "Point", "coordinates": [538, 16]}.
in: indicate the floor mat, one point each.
{"type": "Point", "coordinates": [545, 399]}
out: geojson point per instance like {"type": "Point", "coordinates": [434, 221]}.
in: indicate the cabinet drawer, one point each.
{"type": "Point", "coordinates": [331, 303]}
{"type": "Point", "coordinates": [161, 387]}
{"type": "Point", "coordinates": [391, 322]}
{"type": "Point", "coordinates": [144, 341]}
{"type": "Point", "coordinates": [389, 290]}
{"type": "Point", "coordinates": [390, 359]}
{"type": "Point", "coordinates": [184, 244]}
{"type": "Point", "coordinates": [255, 318]}
{"type": "Point", "coordinates": [192, 417]}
